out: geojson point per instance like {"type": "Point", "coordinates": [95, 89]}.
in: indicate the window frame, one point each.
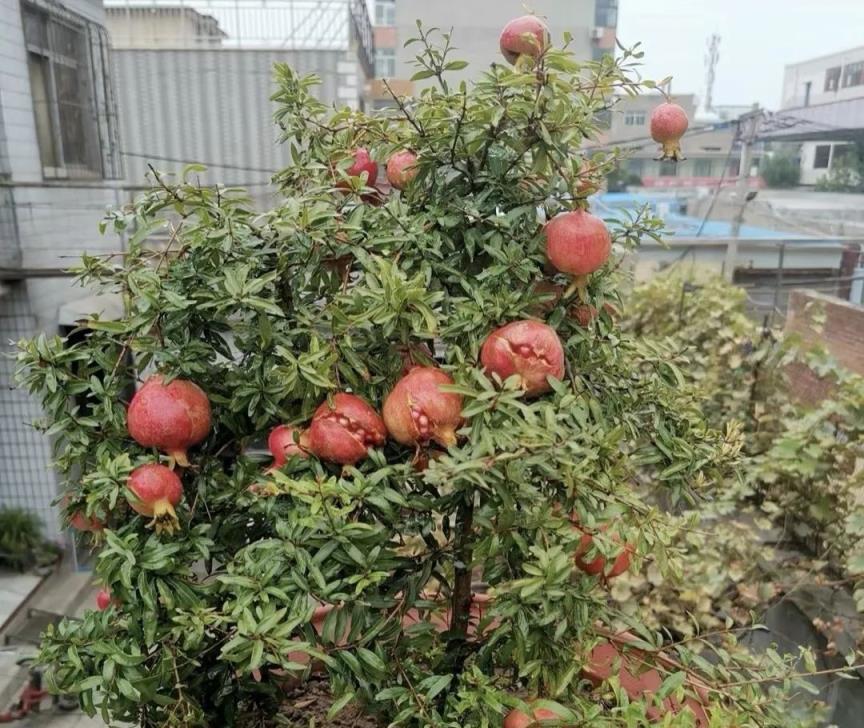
{"type": "Point", "coordinates": [385, 13]}
{"type": "Point", "coordinates": [390, 59]}
{"type": "Point", "coordinates": [635, 118]}
{"type": "Point", "coordinates": [51, 58]}
{"type": "Point", "coordinates": [816, 151]}
{"type": "Point", "coordinates": [853, 75]}
{"type": "Point", "coordinates": [832, 78]}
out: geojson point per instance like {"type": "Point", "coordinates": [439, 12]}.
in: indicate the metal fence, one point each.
{"type": "Point", "coordinates": [257, 24]}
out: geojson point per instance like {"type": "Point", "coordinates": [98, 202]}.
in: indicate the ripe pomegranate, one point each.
{"type": "Point", "coordinates": [668, 124]}
{"type": "Point", "coordinates": [598, 565]}
{"type": "Point", "coordinates": [528, 348]}
{"type": "Point", "coordinates": [517, 719]}
{"type": "Point", "coordinates": [282, 446]}
{"type": "Point", "coordinates": [171, 417]}
{"type": "Point", "coordinates": [362, 163]}
{"type": "Point", "coordinates": [103, 600]}
{"type": "Point", "coordinates": [527, 35]}
{"type": "Point", "coordinates": [344, 432]}
{"type": "Point", "coordinates": [80, 521]}
{"type": "Point", "coordinates": [156, 490]}
{"type": "Point", "coordinates": [401, 169]}
{"type": "Point", "coordinates": [416, 410]}
{"type": "Point", "coordinates": [577, 242]}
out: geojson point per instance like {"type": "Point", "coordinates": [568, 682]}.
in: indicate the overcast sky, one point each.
{"type": "Point", "coordinates": [759, 37]}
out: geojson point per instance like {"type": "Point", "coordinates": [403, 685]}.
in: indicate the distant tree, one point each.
{"type": "Point", "coordinates": [618, 180]}
{"type": "Point", "coordinates": [847, 171]}
{"type": "Point", "coordinates": [781, 169]}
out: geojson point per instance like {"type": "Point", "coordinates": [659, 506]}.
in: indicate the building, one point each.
{"type": "Point", "coordinates": [60, 168]}
{"type": "Point", "coordinates": [478, 24]}
{"type": "Point", "coordinates": [827, 92]}
{"type": "Point", "coordinates": [711, 154]}
{"type": "Point", "coordinates": [195, 77]}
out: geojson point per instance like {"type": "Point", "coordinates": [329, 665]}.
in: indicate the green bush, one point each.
{"type": "Point", "coordinates": [780, 170]}
{"type": "Point", "coordinates": [20, 537]}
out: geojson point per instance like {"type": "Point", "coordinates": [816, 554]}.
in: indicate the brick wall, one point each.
{"type": "Point", "coordinates": [829, 322]}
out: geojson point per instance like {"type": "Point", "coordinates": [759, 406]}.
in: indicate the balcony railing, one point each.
{"type": "Point", "coordinates": [270, 24]}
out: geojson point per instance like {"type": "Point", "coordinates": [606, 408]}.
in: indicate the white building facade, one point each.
{"type": "Point", "coordinates": [817, 82]}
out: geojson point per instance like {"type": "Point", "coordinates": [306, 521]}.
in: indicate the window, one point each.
{"type": "Point", "coordinates": [634, 118]}
{"type": "Point", "coordinates": [701, 167]}
{"type": "Point", "coordinates": [832, 78]}
{"type": "Point", "coordinates": [635, 166]}
{"type": "Point", "coordinates": [822, 157]}
{"type": "Point", "coordinates": [60, 83]}
{"type": "Point", "coordinates": [385, 62]}
{"type": "Point", "coordinates": [385, 12]}
{"type": "Point", "coordinates": [808, 87]}
{"type": "Point", "coordinates": [668, 169]}
{"type": "Point", "coordinates": [853, 74]}
{"type": "Point", "coordinates": [606, 13]}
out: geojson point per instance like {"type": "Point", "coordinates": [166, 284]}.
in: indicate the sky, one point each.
{"type": "Point", "coordinates": [758, 38]}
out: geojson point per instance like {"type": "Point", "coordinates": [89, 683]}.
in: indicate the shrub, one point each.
{"type": "Point", "coordinates": [361, 562]}
{"type": "Point", "coordinates": [20, 537]}
{"type": "Point", "coordinates": [780, 170]}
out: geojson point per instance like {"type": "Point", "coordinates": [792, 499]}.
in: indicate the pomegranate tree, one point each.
{"type": "Point", "coordinates": [419, 566]}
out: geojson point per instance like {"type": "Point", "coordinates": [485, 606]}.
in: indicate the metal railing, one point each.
{"type": "Point", "coordinates": [270, 24]}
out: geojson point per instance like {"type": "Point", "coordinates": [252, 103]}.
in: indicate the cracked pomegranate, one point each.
{"type": "Point", "coordinates": [401, 170]}
{"type": "Point", "coordinates": [529, 349]}
{"type": "Point", "coordinates": [170, 417]}
{"type": "Point", "coordinates": [577, 242]}
{"type": "Point", "coordinates": [344, 432]}
{"type": "Point", "coordinates": [283, 445]}
{"type": "Point", "coordinates": [668, 124]}
{"type": "Point", "coordinates": [156, 490]}
{"type": "Point", "coordinates": [417, 410]}
{"type": "Point", "coordinates": [527, 35]}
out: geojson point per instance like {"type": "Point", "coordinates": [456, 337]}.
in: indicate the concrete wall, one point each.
{"type": "Point", "coordinates": [41, 223]}
{"type": "Point", "coordinates": [478, 24]}
{"type": "Point", "coordinates": [213, 106]}
{"type": "Point", "coordinates": [813, 71]}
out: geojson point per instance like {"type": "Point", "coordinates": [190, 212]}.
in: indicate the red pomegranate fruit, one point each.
{"type": "Point", "coordinates": [283, 445]}
{"type": "Point", "coordinates": [362, 163]}
{"type": "Point", "coordinates": [517, 719]}
{"type": "Point", "coordinates": [103, 600]}
{"type": "Point", "coordinates": [668, 124]}
{"type": "Point", "coordinates": [598, 566]}
{"type": "Point", "coordinates": [344, 432]}
{"type": "Point", "coordinates": [401, 169]}
{"type": "Point", "coordinates": [80, 521]}
{"type": "Point", "coordinates": [417, 410]}
{"type": "Point", "coordinates": [577, 242]}
{"type": "Point", "coordinates": [530, 349]}
{"type": "Point", "coordinates": [156, 490]}
{"type": "Point", "coordinates": [527, 35]}
{"type": "Point", "coordinates": [170, 417]}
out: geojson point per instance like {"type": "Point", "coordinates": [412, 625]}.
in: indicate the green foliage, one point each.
{"type": "Point", "coordinates": [619, 179]}
{"type": "Point", "coordinates": [20, 537]}
{"type": "Point", "coordinates": [272, 312]}
{"type": "Point", "coordinates": [847, 171]}
{"type": "Point", "coordinates": [780, 170]}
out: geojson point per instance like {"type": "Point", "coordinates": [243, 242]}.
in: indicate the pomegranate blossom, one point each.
{"type": "Point", "coordinates": [577, 242]}
{"type": "Point", "coordinates": [668, 124]}
{"type": "Point", "coordinates": [283, 445]}
{"type": "Point", "coordinates": [527, 36]}
{"type": "Point", "coordinates": [170, 417]}
{"type": "Point", "coordinates": [344, 432]}
{"type": "Point", "coordinates": [529, 349]}
{"type": "Point", "coordinates": [417, 410]}
{"type": "Point", "coordinates": [156, 491]}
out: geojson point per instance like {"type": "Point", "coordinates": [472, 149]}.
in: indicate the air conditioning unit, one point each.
{"type": "Point", "coordinates": [597, 33]}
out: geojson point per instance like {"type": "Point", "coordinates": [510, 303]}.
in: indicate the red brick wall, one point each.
{"type": "Point", "coordinates": [829, 322]}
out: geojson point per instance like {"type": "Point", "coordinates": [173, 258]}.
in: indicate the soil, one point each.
{"type": "Point", "coordinates": [309, 706]}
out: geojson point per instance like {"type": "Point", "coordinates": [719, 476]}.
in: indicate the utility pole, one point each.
{"type": "Point", "coordinates": [748, 129]}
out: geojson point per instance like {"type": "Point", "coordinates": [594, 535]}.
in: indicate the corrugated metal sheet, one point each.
{"type": "Point", "coordinates": [208, 106]}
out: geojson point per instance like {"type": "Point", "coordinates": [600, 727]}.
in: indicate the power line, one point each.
{"type": "Point", "coordinates": [161, 158]}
